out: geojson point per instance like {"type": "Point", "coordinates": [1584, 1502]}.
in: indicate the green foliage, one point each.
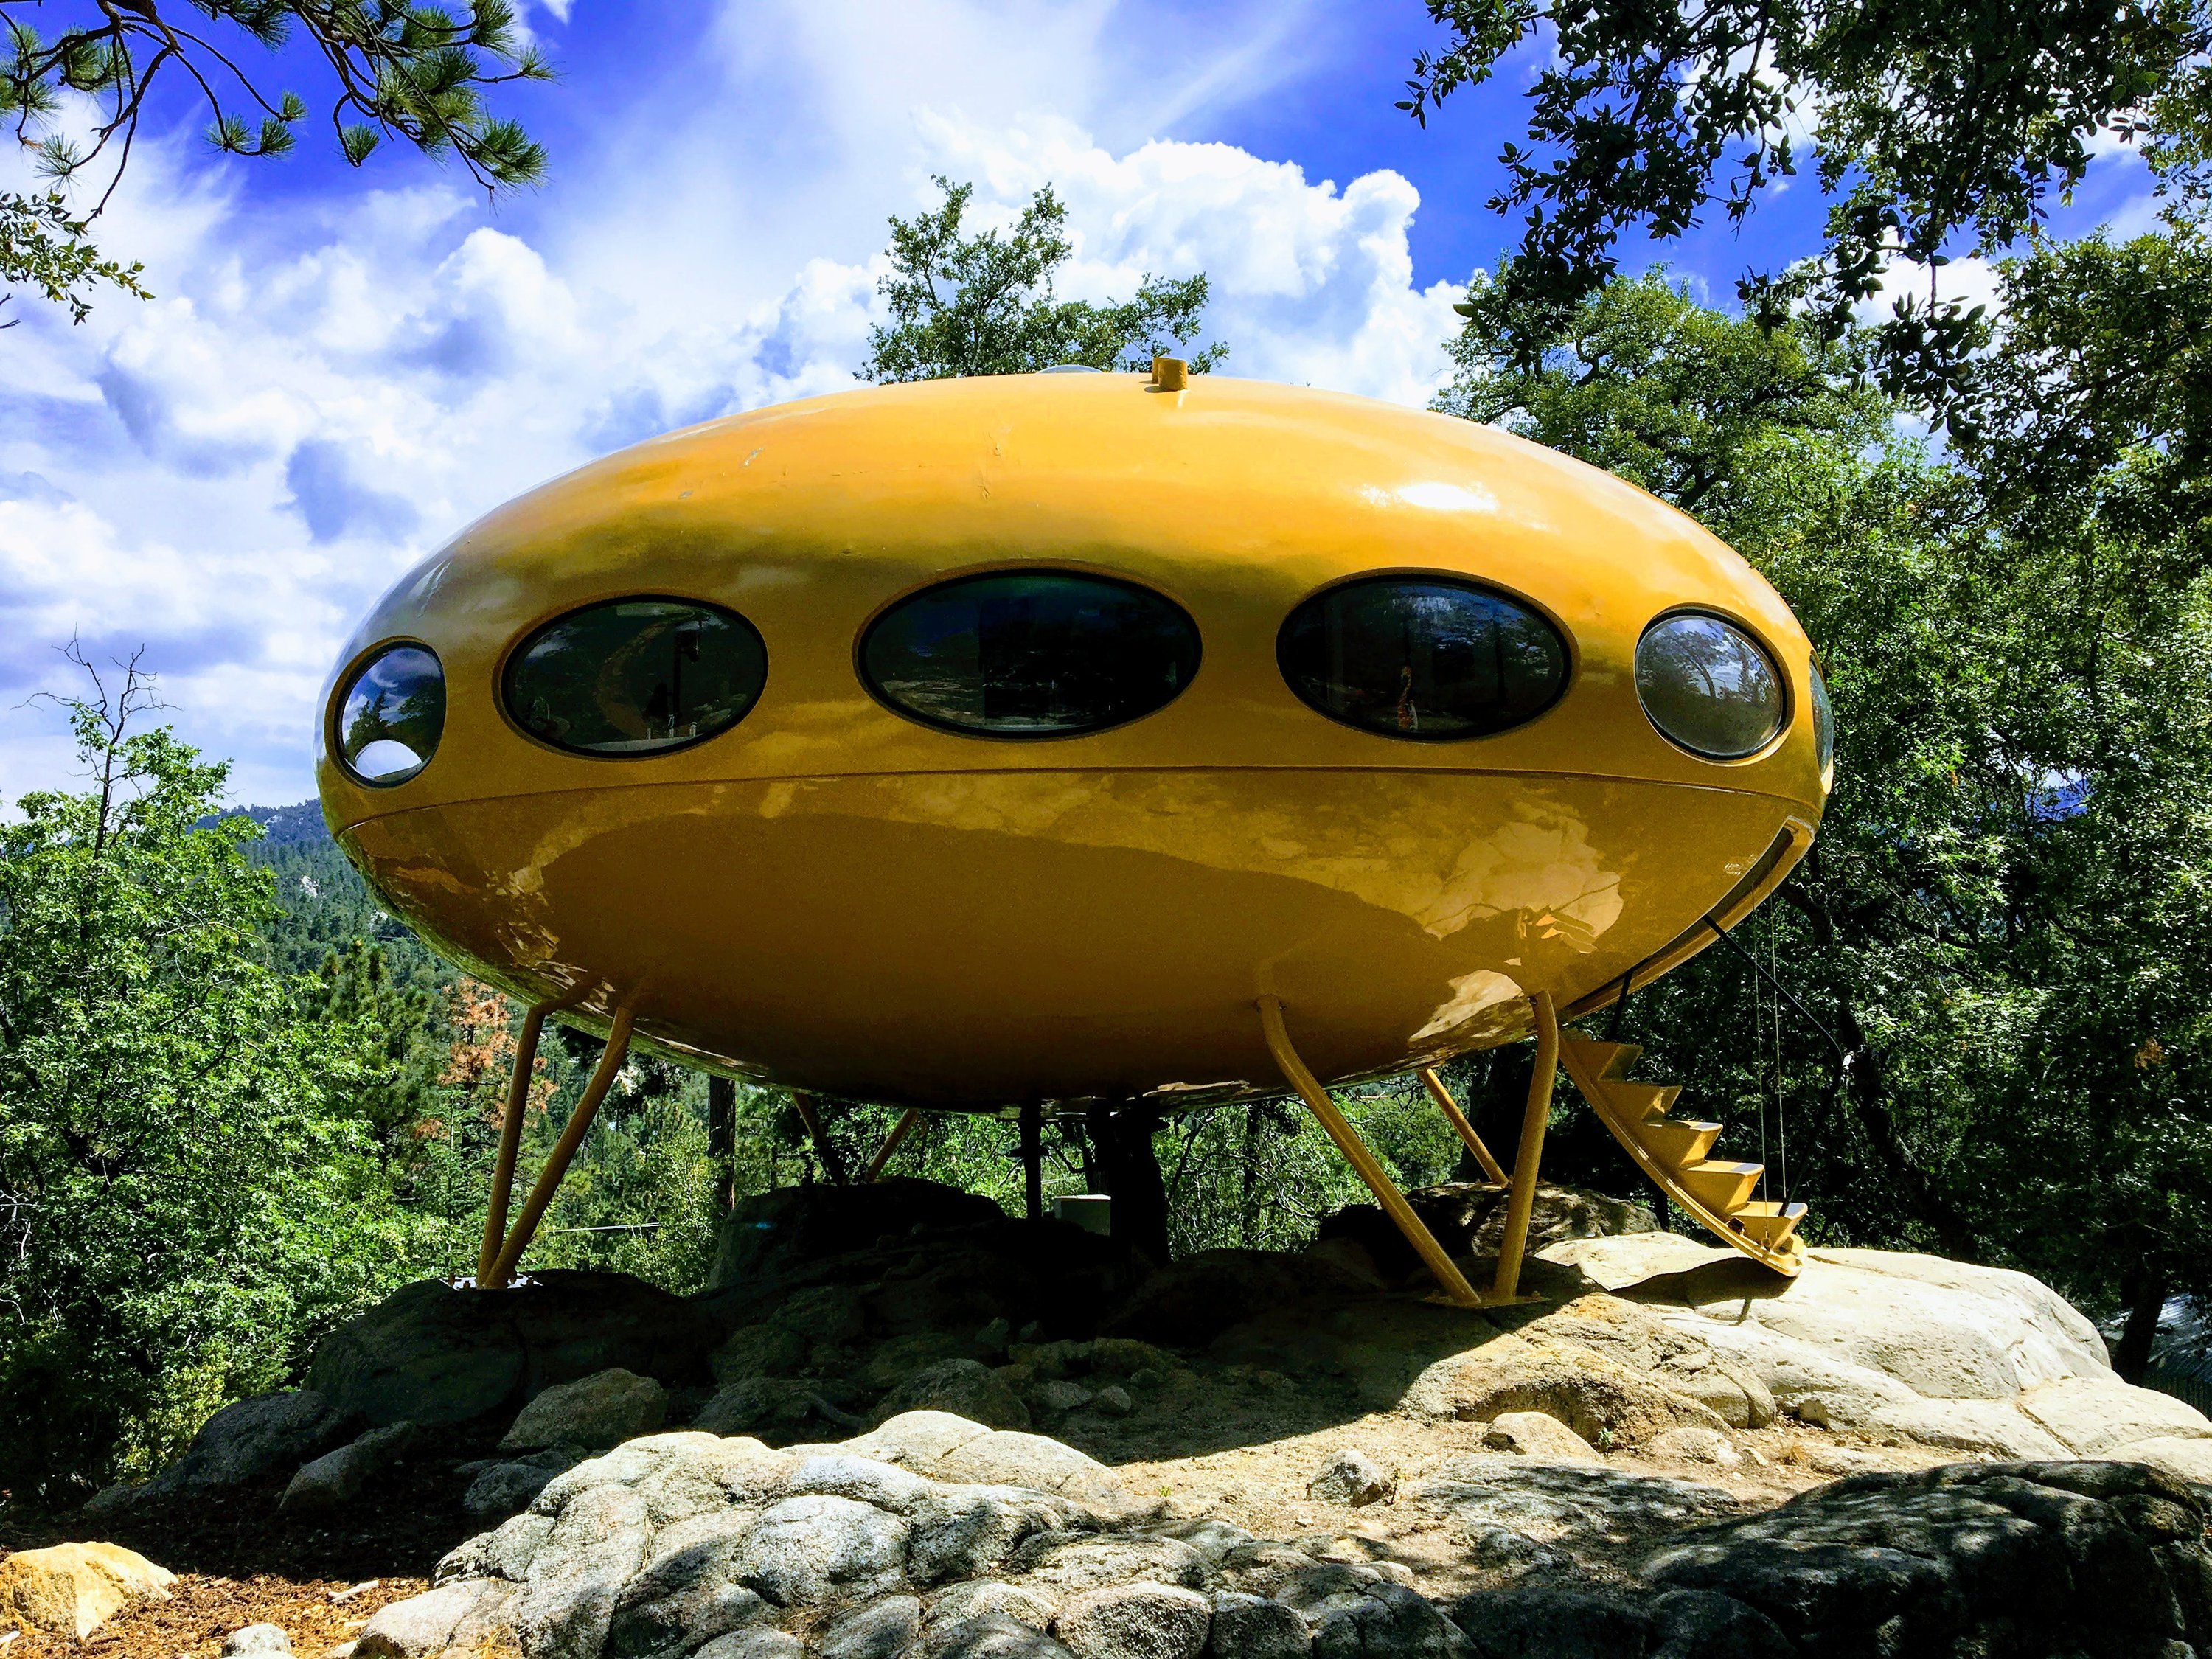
{"type": "Point", "coordinates": [182, 1207]}
{"type": "Point", "coordinates": [1931, 131]}
{"type": "Point", "coordinates": [984, 304]}
{"type": "Point", "coordinates": [416, 72]}
{"type": "Point", "coordinates": [2008, 912]}
{"type": "Point", "coordinates": [43, 246]}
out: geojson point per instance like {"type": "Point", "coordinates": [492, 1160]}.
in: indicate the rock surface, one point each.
{"type": "Point", "coordinates": [1468, 1218]}
{"type": "Point", "coordinates": [336, 1478]}
{"type": "Point", "coordinates": [602, 1409]}
{"type": "Point", "coordinates": [256, 1639]}
{"type": "Point", "coordinates": [255, 1438]}
{"type": "Point", "coordinates": [2031, 1557]}
{"type": "Point", "coordinates": [933, 1534]}
{"type": "Point", "coordinates": [1542, 1437]}
{"type": "Point", "coordinates": [1539, 1451]}
{"type": "Point", "coordinates": [1910, 1349]}
{"type": "Point", "coordinates": [1353, 1478]}
{"type": "Point", "coordinates": [71, 1589]}
{"type": "Point", "coordinates": [431, 1354]}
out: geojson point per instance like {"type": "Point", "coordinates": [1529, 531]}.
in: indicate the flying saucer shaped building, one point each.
{"type": "Point", "coordinates": [990, 741]}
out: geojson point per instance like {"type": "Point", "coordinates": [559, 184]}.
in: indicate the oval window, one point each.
{"type": "Point", "coordinates": [1709, 685]}
{"type": "Point", "coordinates": [635, 676]}
{"type": "Point", "coordinates": [1044, 654]}
{"type": "Point", "coordinates": [391, 715]}
{"type": "Point", "coordinates": [1422, 657]}
{"type": "Point", "coordinates": [1824, 722]}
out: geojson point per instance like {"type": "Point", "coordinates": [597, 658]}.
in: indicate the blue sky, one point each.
{"type": "Point", "coordinates": [342, 367]}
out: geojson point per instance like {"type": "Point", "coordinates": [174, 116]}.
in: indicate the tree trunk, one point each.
{"type": "Point", "coordinates": [722, 1139]}
{"type": "Point", "coordinates": [1032, 1129]}
{"type": "Point", "coordinates": [1123, 1135]}
{"type": "Point", "coordinates": [2146, 1301]}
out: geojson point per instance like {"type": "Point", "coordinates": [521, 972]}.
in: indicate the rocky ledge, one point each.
{"type": "Point", "coordinates": [899, 1423]}
{"type": "Point", "coordinates": [934, 1537]}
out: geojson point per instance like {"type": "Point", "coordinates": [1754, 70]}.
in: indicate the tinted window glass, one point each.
{"type": "Point", "coordinates": [1824, 721]}
{"type": "Point", "coordinates": [1709, 685]}
{"type": "Point", "coordinates": [1031, 653]}
{"type": "Point", "coordinates": [1422, 657]}
{"type": "Point", "coordinates": [635, 676]}
{"type": "Point", "coordinates": [392, 715]}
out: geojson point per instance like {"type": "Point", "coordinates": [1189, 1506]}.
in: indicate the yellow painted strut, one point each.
{"type": "Point", "coordinates": [564, 1150]}
{"type": "Point", "coordinates": [1465, 1130]}
{"type": "Point", "coordinates": [1520, 1201]}
{"type": "Point", "coordinates": [510, 1140]}
{"type": "Point", "coordinates": [1363, 1162]}
{"type": "Point", "coordinates": [908, 1121]}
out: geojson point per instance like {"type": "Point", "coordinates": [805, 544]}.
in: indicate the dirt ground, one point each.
{"type": "Point", "coordinates": [319, 1614]}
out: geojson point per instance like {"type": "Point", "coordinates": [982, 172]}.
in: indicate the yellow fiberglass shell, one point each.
{"type": "Point", "coordinates": [835, 896]}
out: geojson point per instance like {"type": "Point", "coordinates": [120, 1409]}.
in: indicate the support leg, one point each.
{"type": "Point", "coordinates": [1363, 1161]}
{"type": "Point", "coordinates": [1521, 1202]}
{"type": "Point", "coordinates": [564, 1152]}
{"type": "Point", "coordinates": [1450, 1108]}
{"type": "Point", "coordinates": [1033, 1161]}
{"type": "Point", "coordinates": [906, 1126]}
{"type": "Point", "coordinates": [832, 1165]}
{"type": "Point", "coordinates": [510, 1138]}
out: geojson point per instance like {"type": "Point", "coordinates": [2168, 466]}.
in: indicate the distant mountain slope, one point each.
{"type": "Point", "coordinates": [297, 825]}
{"type": "Point", "coordinates": [327, 906]}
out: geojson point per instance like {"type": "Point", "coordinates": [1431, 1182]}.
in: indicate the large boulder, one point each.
{"type": "Point", "coordinates": [69, 1590]}
{"type": "Point", "coordinates": [429, 1353]}
{"type": "Point", "coordinates": [1135, 1621]}
{"type": "Point", "coordinates": [1910, 1349]}
{"type": "Point", "coordinates": [2025, 1558]}
{"type": "Point", "coordinates": [1468, 1218]}
{"type": "Point", "coordinates": [337, 1478]}
{"type": "Point", "coordinates": [602, 1409]}
{"type": "Point", "coordinates": [248, 1439]}
{"type": "Point", "coordinates": [933, 1536]}
{"type": "Point", "coordinates": [771, 1237]}
{"type": "Point", "coordinates": [1190, 1302]}
{"type": "Point", "coordinates": [963, 1388]}
{"type": "Point", "coordinates": [1607, 1403]}
{"type": "Point", "coordinates": [462, 1616]}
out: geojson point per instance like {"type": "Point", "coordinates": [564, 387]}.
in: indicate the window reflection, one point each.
{"type": "Point", "coordinates": [636, 677]}
{"type": "Point", "coordinates": [1422, 658]}
{"type": "Point", "coordinates": [1824, 721]}
{"type": "Point", "coordinates": [1031, 653]}
{"type": "Point", "coordinates": [1709, 685]}
{"type": "Point", "coordinates": [392, 715]}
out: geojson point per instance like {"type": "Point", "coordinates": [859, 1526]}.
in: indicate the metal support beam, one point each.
{"type": "Point", "coordinates": [1457, 1119]}
{"type": "Point", "coordinates": [1520, 1203]}
{"type": "Point", "coordinates": [564, 1152]}
{"type": "Point", "coordinates": [1363, 1162]}
{"type": "Point", "coordinates": [832, 1165]}
{"type": "Point", "coordinates": [510, 1138]}
{"type": "Point", "coordinates": [910, 1120]}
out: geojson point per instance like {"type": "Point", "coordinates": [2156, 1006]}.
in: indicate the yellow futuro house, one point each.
{"type": "Point", "coordinates": [1074, 737]}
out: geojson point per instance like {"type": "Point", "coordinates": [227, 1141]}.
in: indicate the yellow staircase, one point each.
{"type": "Point", "coordinates": [1673, 1151]}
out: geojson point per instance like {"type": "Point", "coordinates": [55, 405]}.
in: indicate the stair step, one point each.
{"type": "Point", "coordinates": [1643, 1102]}
{"type": "Point", "coordinates": [1769, 1224]}
{"type": "Point", "coordinates": [1676, 1141]}
{"type": "Point", "coordinates": [1606, 1061]}
{"type": "Point", "coordinates": [1720, 1185]}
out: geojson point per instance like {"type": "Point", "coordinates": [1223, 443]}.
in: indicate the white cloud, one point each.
{"type": "Point", "coordinates": [232, 472]}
